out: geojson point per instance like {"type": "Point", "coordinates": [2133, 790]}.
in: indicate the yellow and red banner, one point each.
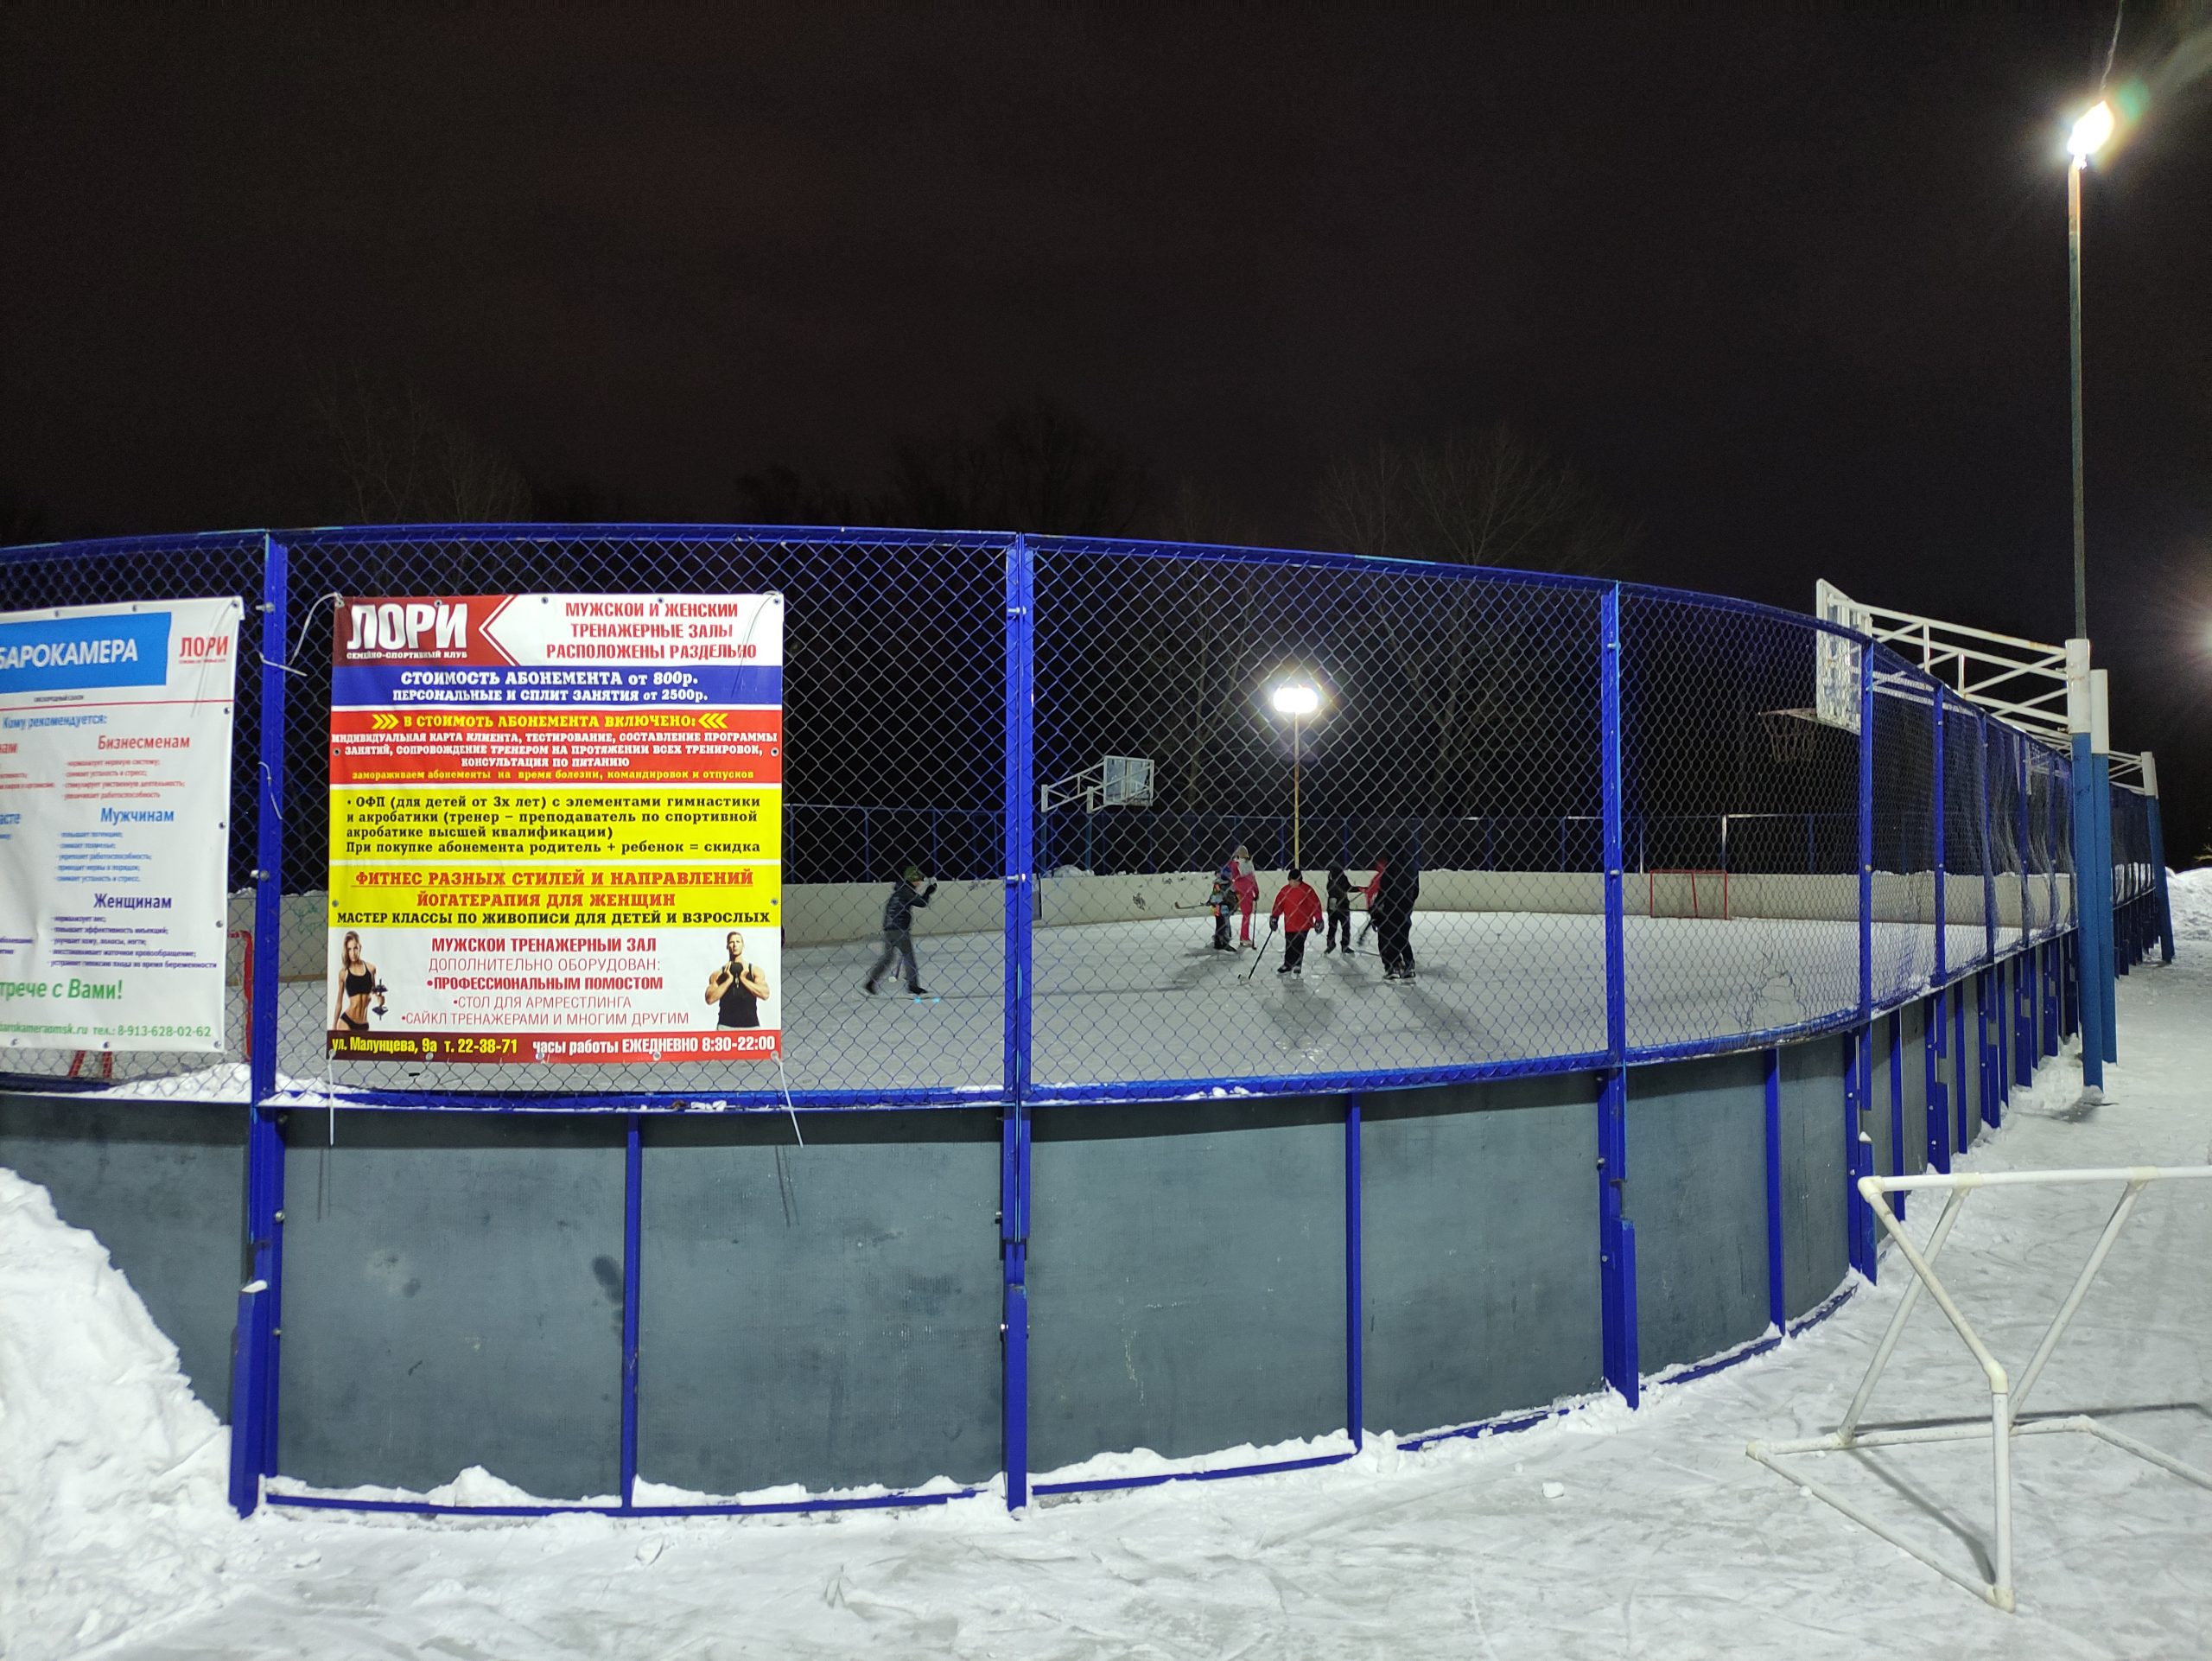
{"type": "Point", "coordinates": [557, 828]}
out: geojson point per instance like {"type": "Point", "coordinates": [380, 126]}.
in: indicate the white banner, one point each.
{"type": "Point", "coordinates": [115, 807]}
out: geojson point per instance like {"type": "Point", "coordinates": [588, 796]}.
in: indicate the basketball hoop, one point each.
{"type": "Point", "coordinates": [1789, 736]}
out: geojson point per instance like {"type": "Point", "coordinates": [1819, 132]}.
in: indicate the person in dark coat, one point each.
{"type": "Point", "coordinates": [1391, 906]}
{"type": "Point", "coordinates": [898, 930]}
{"type": "Point", "coordinates": [1339, 910]}
{"type": "Point", "coordinates": [1222, 903]}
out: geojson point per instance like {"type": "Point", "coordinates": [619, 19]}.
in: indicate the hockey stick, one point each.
{"type": "Point", "coordinates": [1261, 955]}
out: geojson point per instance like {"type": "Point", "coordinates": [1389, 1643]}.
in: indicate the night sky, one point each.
{"type": "Point", "coordinates": [1792, 292]}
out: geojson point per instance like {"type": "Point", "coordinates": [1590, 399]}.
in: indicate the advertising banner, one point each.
{"type": "Point", "coordinates": [115, 807]}
{"type": "Point", "coordinates": [557, 828]}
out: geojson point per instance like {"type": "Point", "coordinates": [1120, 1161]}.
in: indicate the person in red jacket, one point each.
{"type": "Point", "coordinates": [1248, 895]}
{"type": "Point", "coordinates": [1298, 909]}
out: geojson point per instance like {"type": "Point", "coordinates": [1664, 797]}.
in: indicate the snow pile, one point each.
{"type": "Point", "coordinates": [111, 1473]}
{"type": "Point", "coordinates": [2190, 894]}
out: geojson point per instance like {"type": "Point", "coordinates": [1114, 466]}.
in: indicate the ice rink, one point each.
{"type": "Point", "coordinates": [1152, 1000]}
{"type": "Point", "coordinates": [1603, 1533]}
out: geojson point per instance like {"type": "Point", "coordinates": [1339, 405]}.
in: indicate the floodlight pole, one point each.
{"type": "Point", "coordinates": [2074, 320]}
{"type": "Point", "coordinates": [1295, 851]}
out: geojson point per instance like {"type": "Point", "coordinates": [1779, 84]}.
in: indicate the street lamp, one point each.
{"type": "Point", "coordinates": [2088, 137]}
{"type": "Point", "coordinates": [1297, 699]}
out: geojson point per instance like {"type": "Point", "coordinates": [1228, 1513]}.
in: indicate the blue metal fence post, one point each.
{"type": "Point", "coordinates": [633, 1193]}
{"type": "Point", "coordinates": [1988, 843]}
{"type": "Point", "coordinates": [1863, 1222]}
{"type": "Point", "coordinates": [1616, 1234]}
{"type": "Point", "coordinates": [1355, 1299]}
{"type": "Point", "coordinates": [1014, 1132]}
{"type": "Point", "coordinates": [1942, 891]}
{"type": "Point", "coordinates": [1777, 1305]}
{"type": "Point", "coordinates": [2101, 821]}
{"type": "Point", "coordinates": [2162, 919]}
{"type": "Point", "coordinates": [1936, 1115]}
{"type": "Point", "coordinates": [2088, 1006]}
{"type": "Point", "coordinates": [254, 1390]}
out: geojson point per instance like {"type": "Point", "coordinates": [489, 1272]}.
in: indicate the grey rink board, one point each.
{"type": "Point", "coordinates": [452, 1296]}
{"type": "Point", "coordinates": [1186, 1277]}
{"type": "Point", "coordinates": [1479, 1204]}
{"type": "Point", "coordinates": [1816, 1247]}
{"type": "Point", "coordinates": [1970, 1061]}
{"type": "Point", "coordinates": [1696, 1192]}
{"type": "Point", "coordinates": [1913, 1018]}
{"type": "Point", "coordinates": [162, 1187]}
{"type": "Point", "coordinates": [1877, 1122]}
{"type": "Point", "coordinates": [825, 1314]}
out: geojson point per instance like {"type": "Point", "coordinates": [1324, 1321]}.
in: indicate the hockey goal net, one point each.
{"type": "Point", "coordinates": [1687, 893]}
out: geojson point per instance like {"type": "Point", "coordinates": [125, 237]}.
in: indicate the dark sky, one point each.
{"type": "Point", "coordinates": [1792, 290]}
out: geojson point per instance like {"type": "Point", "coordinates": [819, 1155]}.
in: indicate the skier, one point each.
{"type": "Point", "coordinates": [1221, 901]}
{"type": "Point", "coordinates": [1298, 909]}
{"type": "Point", "coordinates": [1339, 911]}
{"type": "Point", "coordinates": [1396, 888]}
{"type": "Point", "coordinates": [899, 931]}
{"type": "Point", "coordinates": [1248, 894]}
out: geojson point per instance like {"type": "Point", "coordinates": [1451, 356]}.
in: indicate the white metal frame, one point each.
{"type": "Point", "coordinates": [2007, 1402]}
{"type": "Point", "coordinates": [1102, 786]}
{"type": "Point", "coordinates": [2025, 681]}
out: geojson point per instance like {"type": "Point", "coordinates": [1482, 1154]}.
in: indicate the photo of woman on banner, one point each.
{"type": "Point", "coordinates": [737, 987]}
{"type": "Point", "coordinates": [356, 984]}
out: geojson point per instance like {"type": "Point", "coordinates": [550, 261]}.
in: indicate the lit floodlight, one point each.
{"type": "Point", "coordinates": [1295, 698]}
{"type": "Point", "coordinates": [2090, 131]}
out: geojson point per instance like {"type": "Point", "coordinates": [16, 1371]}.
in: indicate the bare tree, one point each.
{"type": "Point", "coordinates": [1036, 467]}
{"type": "Point", "coordinates": [1480, 496]}
{"type": "Point", "coordinates": [400, 459]}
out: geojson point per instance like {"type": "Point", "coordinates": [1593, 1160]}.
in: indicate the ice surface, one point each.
{"type": "Point", "coordinates": [1601, 1533]}
{"type": "Point", "coordinates": [1150, 1000]}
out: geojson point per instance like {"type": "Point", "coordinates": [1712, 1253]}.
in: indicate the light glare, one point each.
{"type": "Point", "coordinates": [2091, 131]}
{"type": "Point", "coordinates": [1295, 698]}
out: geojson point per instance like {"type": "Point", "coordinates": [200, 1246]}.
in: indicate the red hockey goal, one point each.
{"type": "Point", "coordinates": [1687, 893]}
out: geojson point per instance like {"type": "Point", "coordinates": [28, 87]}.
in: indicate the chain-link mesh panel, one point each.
{"type": "Point", "coordinates": [147, 569]}
{"type": "Point", "coordinates": [2006, 855]}
{"type": "Point", "coordinates": [2043, 841]}
{"type": "Point", "coordinates": [2132, 876]}
{"type": "Point", "coordinates": [893, 757]}
{"type": "Point", "coordinates": [1965, 836]}
{"type": "Point", "coordinates": [1904, 829]}
{"type": "Point", "coordinates": [2062, 843]}
{"type": "Point", "coordinates": [1731, 781]}
{"type": "Point", "coordinates": [1442, 799]}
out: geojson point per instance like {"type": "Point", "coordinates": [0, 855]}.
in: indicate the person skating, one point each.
{"type": "Point", "coordinates": [1248, 895]}
{"type": "Point", "coordinates": [898, 930]}
{"type": "Point", "coordinates": [1221, 901]}
{"type": "Point", "coordinates": [1297, 910]}
{"type": "Point", "coordinates": [1367, 893]}
{"type": "Point", "coordinates": [1339, 911]}
{"type": "Point", "coordinates": [1396, 888]}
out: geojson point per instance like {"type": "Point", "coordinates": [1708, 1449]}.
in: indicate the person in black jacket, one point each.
{"type": "Point", "coordinates": [899, 931]}
{"type": "Point", "coordinates": [1391, 909]}
{"type": "Point", "coordinates": [1339, 910]}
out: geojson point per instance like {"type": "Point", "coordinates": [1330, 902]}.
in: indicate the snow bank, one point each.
{"type": "Point", "coordinates": [111, 1473]}
{"type": "Point", "coordinates": [2189, 895]}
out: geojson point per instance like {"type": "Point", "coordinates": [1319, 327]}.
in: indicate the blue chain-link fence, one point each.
{"type": "Point", "coordinates": [951, 701]}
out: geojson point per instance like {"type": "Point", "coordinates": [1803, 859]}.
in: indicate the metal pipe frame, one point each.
{"type": "Point", "coordinates": [2007, 1401]}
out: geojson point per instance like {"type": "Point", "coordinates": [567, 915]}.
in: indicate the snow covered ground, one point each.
{"type": "Point", "coordinates": [1601, 1534]}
